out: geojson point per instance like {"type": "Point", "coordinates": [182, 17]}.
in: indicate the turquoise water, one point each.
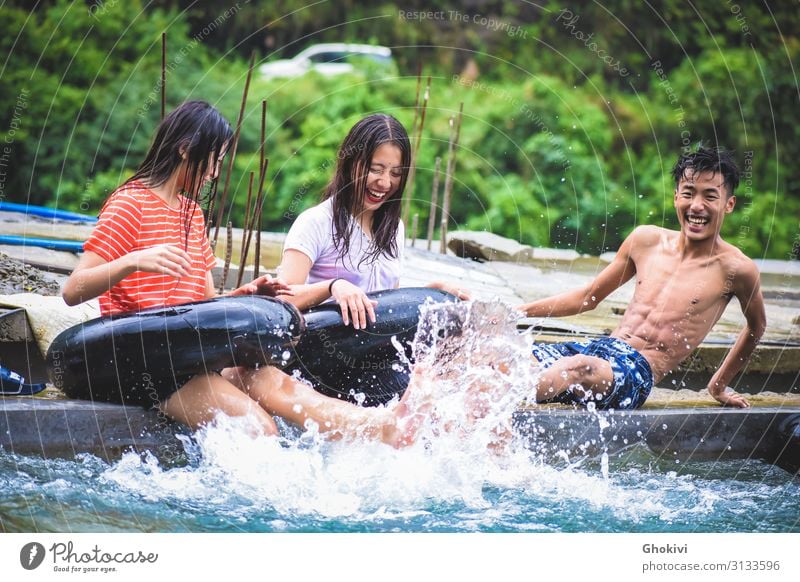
{"type": "Point", "coordinates": [455, 478]}
{"type": "Point", "coordinates": [228, 485]}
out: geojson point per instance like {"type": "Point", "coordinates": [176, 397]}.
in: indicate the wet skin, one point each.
{"type": "Point", "coordinates": [684, 281]}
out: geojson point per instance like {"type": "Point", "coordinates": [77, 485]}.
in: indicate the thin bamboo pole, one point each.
{"type": "Point", "coordinates": [412, 171]}
{"type": "Point", "coordinates": [257, 212]}
{"type": "Point", "coordinates": [434, 200]}
{"type": "Point", "coordinates": [210, 214]}
{"type": "Point", "coordinates": [455, 132]}
{"type": "Point", "coordinates": [262, 153]}
{"type": "Point", "coordinates": [234, 146]}
{"type": "Point", "coordinates": [248, 212]}
{"type": "Point", "coordinates": [163, 74]}
{"type": "Point", "coordinates": [262, 172]}
{"type": "Point", "coordinates": [407, 199]}
{"type": "Point", "coordinates": [257, 263]}
{"type": "Point", "coordinates": [255, 215]}
{"type": "Point", "coordinates": [228, 256]}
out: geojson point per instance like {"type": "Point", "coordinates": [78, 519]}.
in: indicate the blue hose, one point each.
{"type": "Point", "coordinates": [72, 246]}
{"type": "Point", "coordinates": [45, 212]}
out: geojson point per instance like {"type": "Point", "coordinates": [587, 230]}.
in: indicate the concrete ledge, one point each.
{"type": "Point", "coordinates": [769, 434]}
{"type": "Point", "coordinates": [64, 428]}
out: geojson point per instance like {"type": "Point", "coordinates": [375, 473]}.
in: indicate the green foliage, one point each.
{"type": "Point", "coordinates": [556, 148]}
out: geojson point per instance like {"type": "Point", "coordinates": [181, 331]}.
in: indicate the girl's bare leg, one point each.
{"type": "Point", "coordinates": [280, 394]}
{"type": "Point", "coordinates": [199, 401]}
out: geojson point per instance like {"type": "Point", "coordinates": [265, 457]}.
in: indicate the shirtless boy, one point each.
{"type": "Point", "coordinates": [684, 281]}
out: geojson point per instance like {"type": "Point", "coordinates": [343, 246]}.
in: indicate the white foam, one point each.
{"type": "Point", "coordinates": [471, 399]}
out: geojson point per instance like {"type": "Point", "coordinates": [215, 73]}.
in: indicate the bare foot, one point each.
{"type": "Point", "coordinates": [410, 413]}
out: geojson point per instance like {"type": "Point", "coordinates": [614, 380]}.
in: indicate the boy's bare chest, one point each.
{"type": "Point", "coordinates": [664, 281]}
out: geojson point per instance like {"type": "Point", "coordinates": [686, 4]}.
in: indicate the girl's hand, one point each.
{"type": "Point", "coordinates": [264, 285]}
{"type": "Point", "coordinates": [162, 259]}
{"type": "Point", "coordinates": [455, 291]}
{"type": "Point", "coordinates": [354, 303]}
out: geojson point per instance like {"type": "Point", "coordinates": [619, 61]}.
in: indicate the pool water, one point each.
{"type": "Point", "coordinates": [461, 475]}
{"type": "Point", "coordinates": [230, 482]}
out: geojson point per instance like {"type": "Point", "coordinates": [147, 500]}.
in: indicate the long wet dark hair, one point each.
{"type": "Point", "coordinates": [194, 129]}
{"type": "Point", "coordinates": [347, 189]}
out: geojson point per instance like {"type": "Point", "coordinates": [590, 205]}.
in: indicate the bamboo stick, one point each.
{"type": "Point", "coordinates": [210, 213]}
{"type": "Point", "coordinates": [414, 226]}
{"type": "Point", "coordinates": [434, 200]}
{"type": "Point", "coordinates": [255, 224]}
{"type": "Point", "coordinates": [248, 212]}
{"type": "Point", "coordinates": [257, 263]}
{"type": "Point", "coordinates": [416, 98]}
{"type": "Point", "coordinates": [234, 146]}
{"type": "Point", "coordinates": [407, 199]}
{"type": "Point", "coordinates": [455, 131]}
{"type": "Point", "coordinates": [412, 171]}
{"type": "Point", "coordinates": [262, 155]}
{"type": "Point", "coordinates": [228, 256]}
{"type": "Point", "coordinates": [262, 172]}
{"type": "Point", "coordinates": [253, 218]}
{"type": "Point", "coordinates": [163, 74]}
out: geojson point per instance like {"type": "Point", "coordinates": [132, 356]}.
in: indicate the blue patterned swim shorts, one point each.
{"type": "Point", "coordinates": [633, 377]}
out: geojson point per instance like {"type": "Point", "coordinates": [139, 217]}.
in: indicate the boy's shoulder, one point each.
{"type": "Point", "coordinates": [732, 257]}
{"type": "Point", "coordinates": [650, 231]}
{"type": "Point", "coordinates": [648, 235]}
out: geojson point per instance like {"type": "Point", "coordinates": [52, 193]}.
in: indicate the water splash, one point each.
{"type": "Point", "coordinates": [473, 369]}
{"type": "Point", "coordinates": [465, 472]}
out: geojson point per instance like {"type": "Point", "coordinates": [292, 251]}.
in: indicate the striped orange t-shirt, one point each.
{"type": "Point", "coordinates": [135, 218]}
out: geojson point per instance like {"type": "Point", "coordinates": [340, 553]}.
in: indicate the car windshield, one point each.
{"type": "Point", "coordinates": [328, 57]}
{"type": "Point", "coordinates": [344, 56]}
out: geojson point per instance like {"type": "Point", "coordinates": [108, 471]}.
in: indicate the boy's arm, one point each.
{"type": "Point", "coordinates": [748, 292]}
{"type": "Point", "coordinates": [586, 298]}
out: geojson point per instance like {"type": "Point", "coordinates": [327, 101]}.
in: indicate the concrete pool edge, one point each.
{"type": "Point", "coordinates": [64, 428]}
{"type": "Point", "coordinates": [770, 434]}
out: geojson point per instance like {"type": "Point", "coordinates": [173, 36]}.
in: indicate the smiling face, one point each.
{"type": "Point", "coordinates": [383, 176]}
{"type": "Point", "coordinates": [702, 201]}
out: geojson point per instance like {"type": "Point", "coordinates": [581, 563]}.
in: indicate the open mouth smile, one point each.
{"type": "Point", "coordinates": [375, 197]}
{"type": "Point", "coordinates": [697, 220]}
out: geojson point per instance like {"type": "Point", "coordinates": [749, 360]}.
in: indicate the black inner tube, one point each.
{"type": "Point", "coordinates": [119, 358]}
{"type": "Point", "coordinates": [363, 366]}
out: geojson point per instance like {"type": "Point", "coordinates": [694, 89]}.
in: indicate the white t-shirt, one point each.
{"type": "Point", "coordinates": [312, 234]}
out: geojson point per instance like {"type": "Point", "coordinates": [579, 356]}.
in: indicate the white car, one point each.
{"type": "Point", "coordinates": [326, 59]}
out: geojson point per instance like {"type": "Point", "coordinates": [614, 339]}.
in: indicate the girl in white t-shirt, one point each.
{"type": "Point", "coordinates": [352, 242]}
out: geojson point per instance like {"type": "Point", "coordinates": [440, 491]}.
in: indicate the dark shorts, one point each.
{"type": "Point", "coordinates": [633, 377]}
